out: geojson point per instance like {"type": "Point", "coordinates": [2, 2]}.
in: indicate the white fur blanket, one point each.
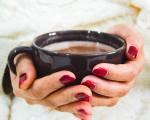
{"type": "Point", "coordinates": [27, 22]}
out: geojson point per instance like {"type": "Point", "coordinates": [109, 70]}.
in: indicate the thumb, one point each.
{"type": "Point", "coordinates": [132, 37]}
{"type": "Point", "coordinates": [26, 72]}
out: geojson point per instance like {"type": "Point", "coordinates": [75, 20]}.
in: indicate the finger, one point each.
{"type": "Point", "coordinates": [119, 72]}
{"type": "Point", "coordinates": [13, 79]}
{"type": "Point", "coordinates": [48, 84]}
{"type": "Point", "coordinates": [68, 95]}
{"type": "Point", "coordinates": [99, 100]}
{"type": "Point", "coordinates": [134, 40]}
{"type": "Point", "coordinates": [12, 75]}
{"type": "Point", "coordinates": [81, 109]}
{"type": "Point", "coordinates": [26, 72]}
{"type": "Point", "coordinates": [107, 88]}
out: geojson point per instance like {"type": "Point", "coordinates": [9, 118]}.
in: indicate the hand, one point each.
{"type": "Point", "coordinates": [120, 78]}
{"type": "Point", "coordinates": [50, 90]}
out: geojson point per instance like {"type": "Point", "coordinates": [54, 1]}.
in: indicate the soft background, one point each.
{"type": "Point", "coordinates": [22, 20]}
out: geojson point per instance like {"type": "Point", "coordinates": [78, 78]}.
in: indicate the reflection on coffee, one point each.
{"type": "Point", "coordinates": [79, 47]}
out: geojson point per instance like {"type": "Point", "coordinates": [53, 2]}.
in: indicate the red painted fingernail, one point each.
{"type": "Point", "coordinates": [22, 78]}
{"type": "Point", "coordinates": [66, 79]}
{"type": "Point", "coordinates": [100, 72]}
{"type": "Point", "coordinates": [82, 111]}
{"type": "Point", "coordinates": [133, 52]}
{"type": "Point", "coordinates": [82, 97]}
{"type": "Point", "coordinates": [89, 84]}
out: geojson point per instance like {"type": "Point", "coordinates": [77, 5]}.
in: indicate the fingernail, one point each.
{"type": "Point", "coordinates": [82, 97]}
{"type": "Point", "coordinates": [82, 111]}
{"type": "Point", "coordinates": [133, 52]}
{"type": "Point", "coordinates": [22, 78]}
{"type": "Point", "coordinates": [89, 84]}
{"type": "Point", "coordinates": [66, 79]}
{"type": "Point", "coordinates": [100, 72]}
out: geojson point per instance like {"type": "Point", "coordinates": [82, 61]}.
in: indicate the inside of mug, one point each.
{"type": "Point", "coordinates": [55, 41]}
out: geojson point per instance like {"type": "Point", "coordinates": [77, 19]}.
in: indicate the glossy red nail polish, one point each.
{"type": "Point", "coordinates": [22, 78]}
{"type": "Point", "coordinates": [89, 84]}
{"type": "Point", "coordinates": [82, 97]}
{"type": "Point", "coordinates": [82, 111]}
{"type": "Point", "coordinates": [100, 72]}
{"type": "Point", "coordinates": [132, 52]}
{"type": "Point", "coordinates": [66, 79]}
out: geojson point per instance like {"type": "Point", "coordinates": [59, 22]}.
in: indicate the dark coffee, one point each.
{"type": "Point", "coordinates": [79, 47]}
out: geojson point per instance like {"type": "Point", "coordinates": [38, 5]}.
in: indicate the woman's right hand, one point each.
{"type": "Point", "coordinates": [50, 90]}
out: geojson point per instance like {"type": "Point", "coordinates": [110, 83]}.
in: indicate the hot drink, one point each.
{"type": "Point", "coordinates": [79, 47]}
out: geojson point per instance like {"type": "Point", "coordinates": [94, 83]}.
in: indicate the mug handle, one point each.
{"type": "Point", "coordinates": [15, 52]}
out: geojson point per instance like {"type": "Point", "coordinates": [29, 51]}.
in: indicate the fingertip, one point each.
{"type": "Point", "coordinates": [26, 74]}
{"type": "Point", "coordinates": [82, 115]}
{"type": "Point", "coordinates": [87, 105]}
{"type": "Point", "coordinates": [100, 70]}
{"type": "Point", "coordinates": [102, 65]}
{"type": "Point", "coordinates": [26, 79]}
{"type": "Point", "coordinates": [63, 72]}
{"type": "Point", "coordinates": [89, 83]}
{"type": "Point", "coordinates": [132, 52]}
{"type": "Point", "coordinates": [65, 77]}
{"type": "Point", "coordinates": [84, 110]}
{"type": "Point", "coordinates": [133, 39]}
{"type": "Point", "coordinates": [86, 90]}
{"type": "Point", "coordinates": [22, 79]}
{"type": "Point", "coordinates": [80, 109]}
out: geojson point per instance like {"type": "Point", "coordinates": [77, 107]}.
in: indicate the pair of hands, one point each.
{"type": "Point", "coordinates": [93, 90]}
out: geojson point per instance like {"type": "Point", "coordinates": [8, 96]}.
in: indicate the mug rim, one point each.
{"type": "Point", "coordinates": [123, 47]}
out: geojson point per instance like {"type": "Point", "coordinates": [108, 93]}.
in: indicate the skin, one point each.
{"type": "Point", "coordinates": [120, 77]}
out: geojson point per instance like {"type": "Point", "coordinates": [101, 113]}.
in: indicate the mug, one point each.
{"type": "Point", "coordinates": [47, 62]}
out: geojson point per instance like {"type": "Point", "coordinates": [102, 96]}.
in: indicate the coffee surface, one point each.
{"type": "Point", "coordinates": [79, 47]}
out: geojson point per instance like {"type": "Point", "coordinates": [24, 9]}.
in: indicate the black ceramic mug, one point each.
{"type": "Point", "coordinates": [47, 62]}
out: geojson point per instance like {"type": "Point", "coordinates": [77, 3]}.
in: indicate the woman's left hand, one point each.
{"type": "Point", "coordinates": [118, 79]}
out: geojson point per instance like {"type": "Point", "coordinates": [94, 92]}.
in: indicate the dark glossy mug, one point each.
{"type": "Point", "coordinates": [47, 62]}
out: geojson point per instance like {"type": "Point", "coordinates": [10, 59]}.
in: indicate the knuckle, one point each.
{"type": "Point", "coordinates": [82, 88]}
{"type": "Point", "coordinates": [30, 102]}
{"type": "Point", "coordinates": [16, 93]}
{"type": "Point", "coordinates": [51, 104]}
{"type": "Point", "coordinates": [37, 94]}
{"type": "Point", "coordinates": [112, 103]}
{"type": "Point", "coordinates": [60, 109]}
{"type": "Point", "coordinates": [123, 92]}
{"type": "Point", "coordinates": [37, 91]}
{"type": "Point", "coordinates": [132, 73]}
